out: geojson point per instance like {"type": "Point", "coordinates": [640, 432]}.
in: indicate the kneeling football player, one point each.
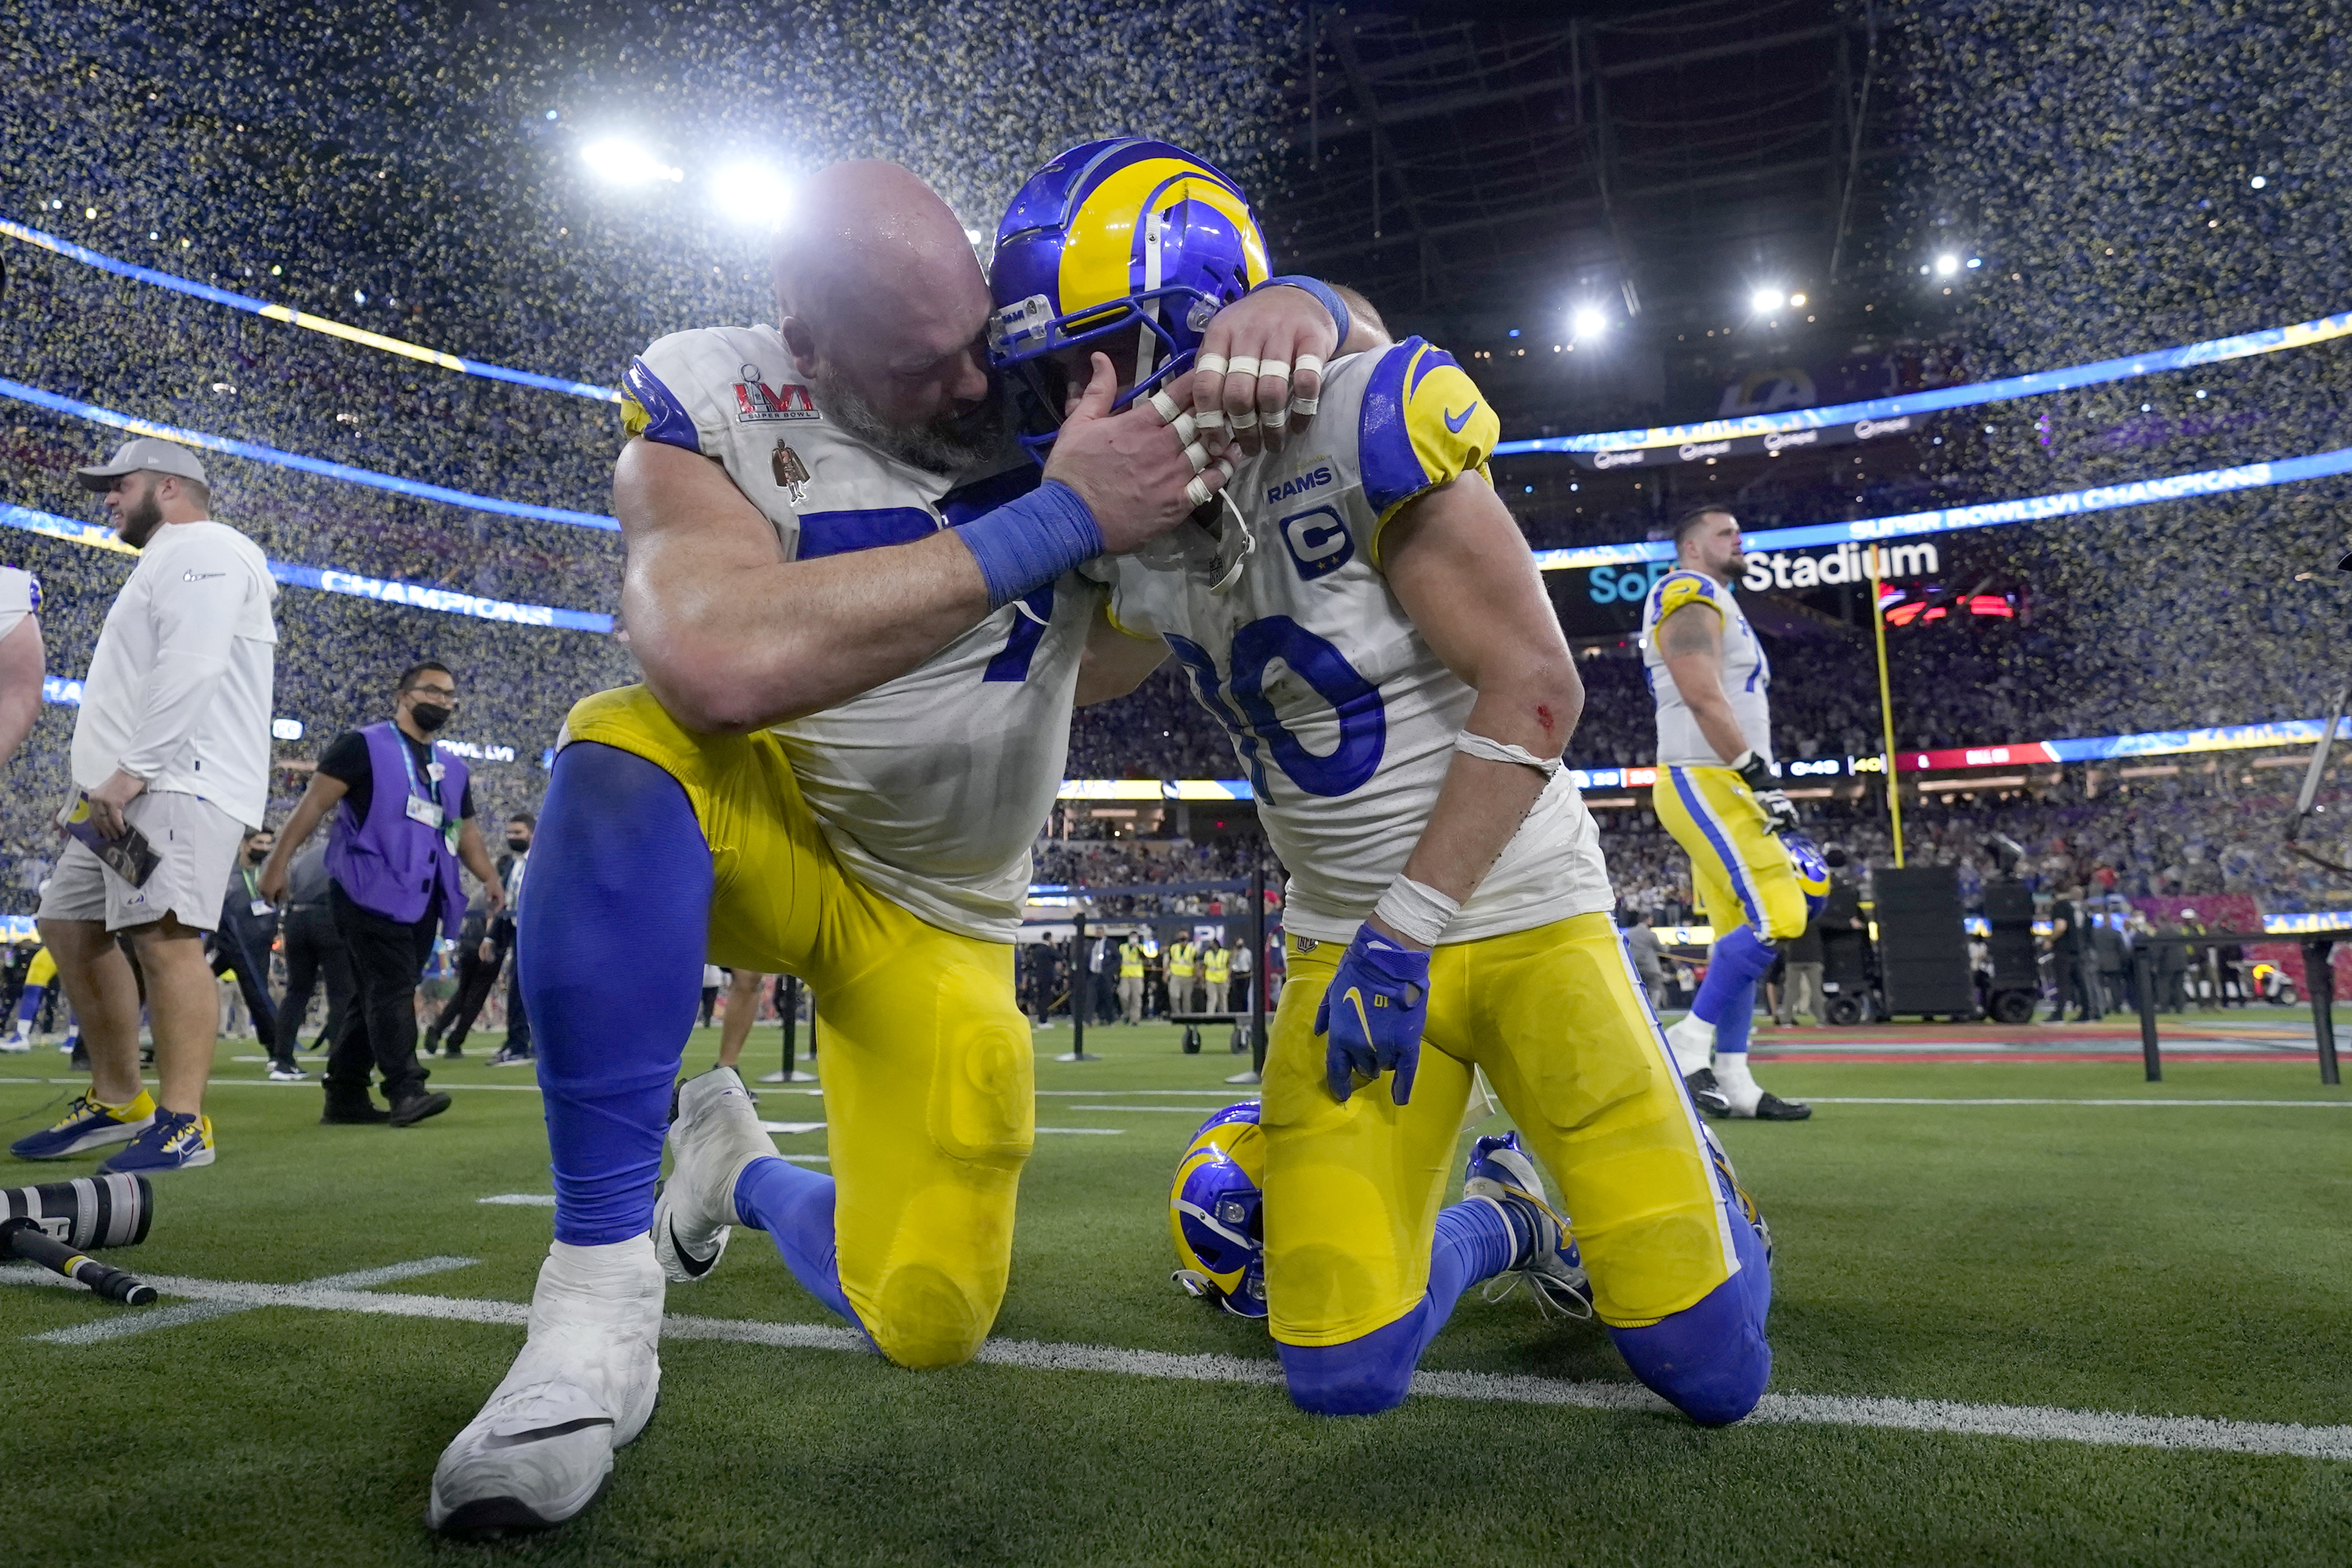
{"type": "Point", "coordinates": [1371, 628]}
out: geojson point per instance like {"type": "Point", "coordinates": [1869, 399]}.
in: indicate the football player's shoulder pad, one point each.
{"type": "Point", "coordinates": [1423, 423]}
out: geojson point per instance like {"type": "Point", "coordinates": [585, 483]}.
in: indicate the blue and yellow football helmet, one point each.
{"type": "Point", "coordinates": [1115, 239]}
{"type": "Point", "coordinates": [1215, 1211]}
{"type": "Point", "coordinates": [1812, 871]}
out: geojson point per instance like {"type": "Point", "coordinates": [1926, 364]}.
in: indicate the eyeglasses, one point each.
{"type": "Point", "coordinates": [444, 693]}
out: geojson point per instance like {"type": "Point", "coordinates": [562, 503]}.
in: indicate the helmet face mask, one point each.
{"type": "Point", "coordinates": [1116, 244]}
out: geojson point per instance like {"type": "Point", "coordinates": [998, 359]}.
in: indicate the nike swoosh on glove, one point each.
{"type": "Point", "coordinates": [1374, 1012]}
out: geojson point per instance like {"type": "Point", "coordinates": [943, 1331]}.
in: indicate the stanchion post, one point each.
{"type": "Point", "coordinates": [2143, 991]}
{"type": "Point", "coordinates": [1081, 990]}
{"type": "Point", "coordinates": [2319, 979]}
{"type": "Point", "coordinates": [1257, 965]}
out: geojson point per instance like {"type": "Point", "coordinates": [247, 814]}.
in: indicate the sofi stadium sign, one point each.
{"type": "Point", "coordinates": [1780, 569]}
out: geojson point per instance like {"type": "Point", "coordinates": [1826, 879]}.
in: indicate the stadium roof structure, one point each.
{"type": "Point", "coordinates": [1648, 159]}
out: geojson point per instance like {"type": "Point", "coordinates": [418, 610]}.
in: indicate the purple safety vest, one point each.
{"type": "Point", "coordinates": [392, 864]}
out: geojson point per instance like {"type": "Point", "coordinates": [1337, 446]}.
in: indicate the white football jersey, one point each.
{"type": "Point", "coordinates": [930, 787]}
{"type": "Point", "coordinates": [20, 595]}
{"type": "Point", "coordinates": [1340, 714]}
{"type": "Point", "coordinates": [1746, 673]}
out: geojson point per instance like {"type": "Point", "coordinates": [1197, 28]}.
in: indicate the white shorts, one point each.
{"type": "Point", "coordinates": [198, 841]}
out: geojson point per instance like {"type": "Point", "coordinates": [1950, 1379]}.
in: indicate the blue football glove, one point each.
{"type": "Point", "coordinates": [1373, 1010]}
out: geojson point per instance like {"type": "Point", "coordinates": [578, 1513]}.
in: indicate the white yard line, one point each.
{"type": "Point", "coordinates": [220, 1303]}
{"type": "Point", "coordinates": [1826, 1100]}
{"type": "Point", "coordinates": [349, 1293]}
{"type": "Point", "coordinates": [521, 1200]}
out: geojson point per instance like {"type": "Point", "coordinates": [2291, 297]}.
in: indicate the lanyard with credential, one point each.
{"type": "Point", "coordinates": [428, 789]}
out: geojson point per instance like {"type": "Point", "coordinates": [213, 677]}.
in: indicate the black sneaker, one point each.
{"type": "Point", "coordinates": [507, 1058]}
{"type": "Point", "coordinates": [415, 1105]}
{"type": "Point", "coordinates": [353, 1113]}
{"type": "Point", "coordinates": [452, 1053]}
{"type": "Point", "coordinates": [1705, 1094]}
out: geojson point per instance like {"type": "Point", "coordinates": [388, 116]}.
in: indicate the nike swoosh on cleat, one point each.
{"type": "Point", "coordinates": [698, 1266]}
{"type": "Point", "coordinates": [541, 1434]}
{"type": "Point", "coordinates": [1455, 425]}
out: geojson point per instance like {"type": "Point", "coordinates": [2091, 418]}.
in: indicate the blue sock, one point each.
{"type": "Point", "coordinates": [794, 1205]}
{"type": "Point", "coordinates": [30, 1007]}
{"type": "Point", "coordinates": [1726, 998]}
{"type": "Point", "coordinates": [1474, 1242]}
{"type": "Point", "coordinates": [1711, 1361]}
{"type": "Point", "coordinates": [610, 941]}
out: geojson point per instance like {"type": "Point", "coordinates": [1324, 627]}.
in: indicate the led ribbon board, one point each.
{"type": "Point", "coordinates": [333, 580]}
{"type": "Point", "coordinates": [2270, 340]}
{"type": "Point", "coordinates": [1989, 514]}
{"type": "Point", "coordinates": [271, 455]}
{"type": "Point", "coordinates": [294, 318]}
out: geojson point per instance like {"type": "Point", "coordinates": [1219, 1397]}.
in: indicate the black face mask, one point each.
{"type": "Point", "coordinates": [257, 854]}
{"type": "Point", "coordinates": [517, 845]}
{"type": "Point", "coordinates": [428, 716]}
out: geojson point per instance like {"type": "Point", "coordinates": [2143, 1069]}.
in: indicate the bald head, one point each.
{"type": "Point", "coordinates": [868, 241]}
{"type": "Point", "coordinates": [884, 306]}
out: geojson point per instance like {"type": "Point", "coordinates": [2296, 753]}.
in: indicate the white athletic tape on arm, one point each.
{"type": "Point", "coordinates": [1309, 365]}
{"type": "Point", "coordinates": [1272, 370]}
{"type": "Point", "coordinates": [1241, 364]}
{"type": "Point", "coordinates": [1479, 746]}
{"type": "Point", "coordinates": [1416, 911]}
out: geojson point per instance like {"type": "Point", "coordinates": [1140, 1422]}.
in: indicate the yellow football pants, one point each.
{"type": "Point", "coordinates": [1558, 1020]}
{"type": "Point", "coordinates": [928, 1080]}
{"type": "Point", "coordinates": [43, 970]}
{"type": "Point", "coordinates": [1739, 869]}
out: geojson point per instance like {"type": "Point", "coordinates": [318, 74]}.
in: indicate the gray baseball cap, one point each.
{"type": "Point", "coordinates": [145, 453]}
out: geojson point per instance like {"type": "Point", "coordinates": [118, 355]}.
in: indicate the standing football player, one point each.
{"type": "Point", "coordinates": [1717, 795]}
{"type": "Point", "coordinates": [1369, 625]}
{"type": "Point", "coordinates": [860, 629]}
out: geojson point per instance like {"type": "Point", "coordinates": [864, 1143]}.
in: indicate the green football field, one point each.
{"type": "Point", "coordinates": [2072, 1331]}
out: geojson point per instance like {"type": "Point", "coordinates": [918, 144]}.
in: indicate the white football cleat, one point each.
{"type": "Point", "coordinates": [583, 1385]}
{"type": "Point", "coordinates": [714, 1133]}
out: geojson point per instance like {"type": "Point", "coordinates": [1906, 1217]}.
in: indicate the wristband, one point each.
{"type": "Point", "coordinates": [1325, 295]}
{"type": "Point", "coordinates": [1416, 911]}
{"type": "Point", "coordinates": [1026, 544]}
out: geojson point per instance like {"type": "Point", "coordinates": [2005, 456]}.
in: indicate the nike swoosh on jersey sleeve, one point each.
{"type": "Point", "coordinates": [1424, 424]}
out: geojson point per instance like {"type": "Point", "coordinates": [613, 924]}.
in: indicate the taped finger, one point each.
{"type": "Point", "coordinates": [1198, 489]}
{"type": "Point", "coordinates": [1246, 420]}
{"type": "Point", "coordinates": [1309, 365]}
{"type": "Point", "coordinates": [1209, 419]}
{"type": "Point", "coordinates": [1274, 369]}
{"type": "Point", "coordinates": [1278, 420]}
{"type": "Point", "coordinates": [1305, 406]}
{"type": "Point", "coordinates": [1196, 455]}
{"type": "Point", "coordinates": [1165, 406]}
{"type": "Point", "coordinates": [1210, 364]}
{"type": "Point", "coordinates": [1241, 364]}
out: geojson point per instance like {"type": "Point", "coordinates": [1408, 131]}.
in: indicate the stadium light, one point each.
{"type": "Point", "coordinates": [626, 163]}
{"type": "Point", "coordinates": [1796, 301]}
{"type": "Point", "coordinates": [752, 195]}
{"type": "Point", "coordinates": [1764, 302]}
{"type": "Point", "coordinates": [1947, 265]}
{"type": "Point", "coordinates": [2260, 182]}
{"type": "Point", "coordinates": [1588, 321]}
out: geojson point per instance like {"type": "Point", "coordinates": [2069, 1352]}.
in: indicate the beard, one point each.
{"type": "Point", "coordinates": [948, 445]}
{"type": "Point", "coordinates": [139, 521]}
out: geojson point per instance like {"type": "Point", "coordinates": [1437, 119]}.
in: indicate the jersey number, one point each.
{"type": "Point", "coordinates": [1246, 710]}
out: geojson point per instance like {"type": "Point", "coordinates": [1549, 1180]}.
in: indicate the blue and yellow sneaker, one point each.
{"type": "Point", "coordinates": [175, 1141]}
{"type": "Point", "coordinates": [1548, 1262]}
{"type": "Point", "coordinates": [89, 1123]}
